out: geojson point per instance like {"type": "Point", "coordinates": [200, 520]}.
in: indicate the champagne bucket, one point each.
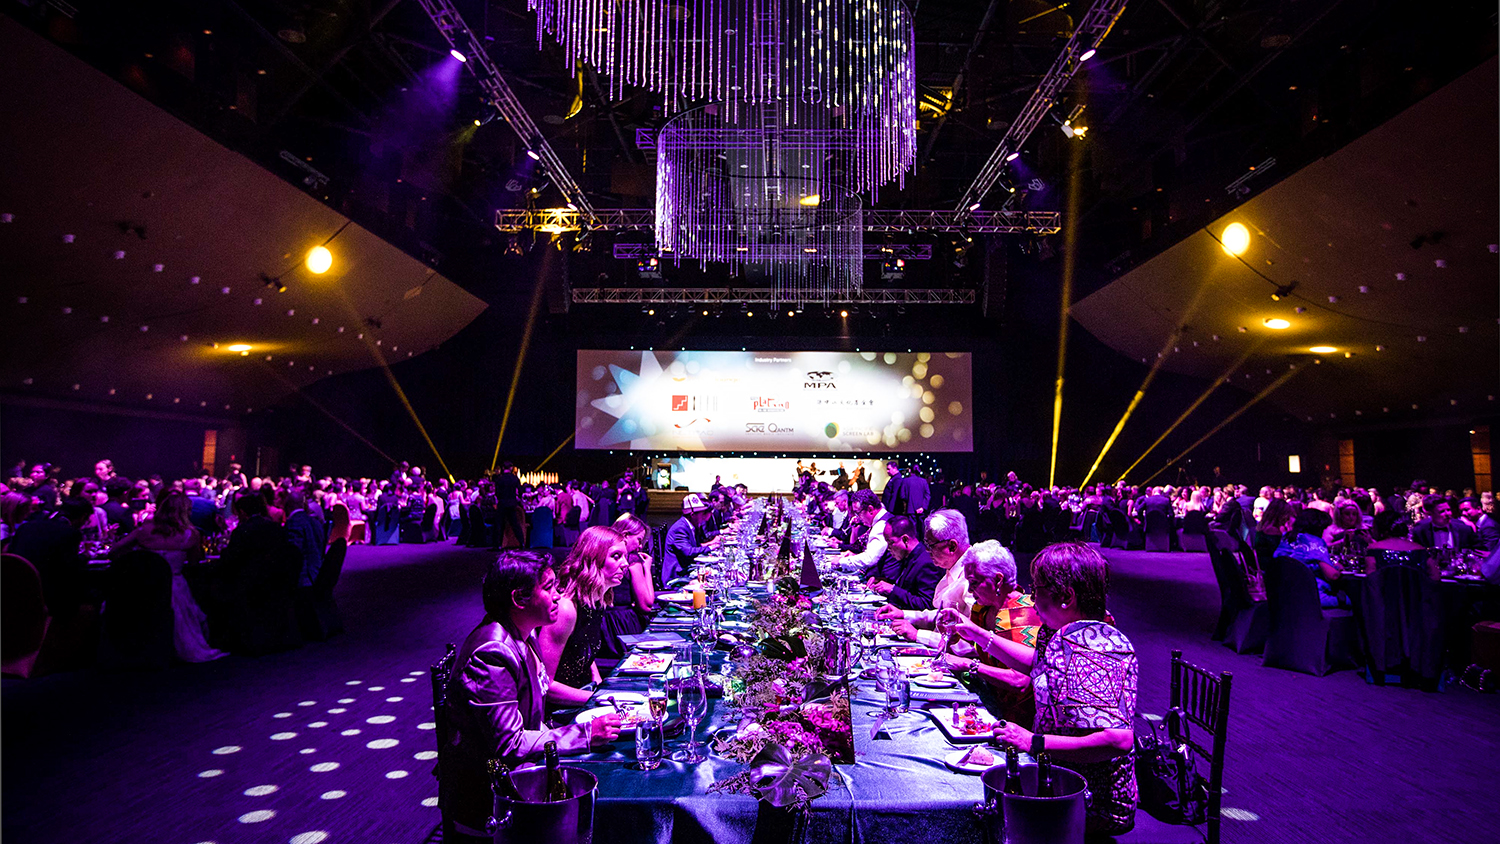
{"type": "Point", "coordinates": [1018, 819]}
{"type": "Point", "coordinates": [564, 822]}
{"type": "Point", "coordinates": [842, 652]}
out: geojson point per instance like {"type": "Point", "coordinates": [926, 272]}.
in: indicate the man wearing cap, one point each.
{"type": "Point", "coordinates": [682, 539]}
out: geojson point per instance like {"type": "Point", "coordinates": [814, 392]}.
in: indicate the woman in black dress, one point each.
{"type": "Point", "coordinates": [586, 583]}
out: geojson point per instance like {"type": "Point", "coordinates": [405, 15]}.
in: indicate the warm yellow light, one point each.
{"type": "Point", "coordinates": [240, 347]}
{"type": "Point", "coordinates": [1236, 239]}
{"type": "Point", "coordinates": [1294, 463]}
{"type": "Point", "coordinates": [1277, 323]}
{"type": "Point", "coordinates": [1323, 350]}
{"type": "Point", "coordinates": [810, 200]}
{"type": "Point", "coordinates": [319, 259]}
{"type": "Point", "coordinates": [843, 313]}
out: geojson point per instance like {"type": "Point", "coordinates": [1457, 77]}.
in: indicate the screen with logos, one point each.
{"type": "Point", "coordinates": [774, 401]}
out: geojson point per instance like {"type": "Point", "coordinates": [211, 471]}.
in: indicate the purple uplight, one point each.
{"type": "Point", "coordinates": [463, 58]}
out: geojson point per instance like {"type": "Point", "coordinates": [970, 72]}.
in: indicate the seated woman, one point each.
{"type": "Point", "coordinates": [1000, 608]}
{"type": "Point", "coordinates": [1310, 551]}
{"type": "Point", "coordinates": [585, 583]}
{"type": "Point", "coordinates": [634, 600]}
{"type": "Point", "coordinates": [497, 687]}
{"type": "Point", "coordinates": [170, 534]}
{"type": "Point", "coordinates": [1083, 674]}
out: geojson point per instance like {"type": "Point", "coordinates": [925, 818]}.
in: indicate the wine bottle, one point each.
{"type": "Point", "coordinates": [557, 786]}
{"type": "Point", "coordinates": [1044, 785]}
{"type": "Point", "coordinates": [503, 785]}
{"type": "Point", "coordinates": [1012, 771]}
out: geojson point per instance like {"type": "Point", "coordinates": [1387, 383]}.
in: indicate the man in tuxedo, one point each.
{"type": "Point", "coordinates": [1157, 501]}
{"type": "Point", "coordinates": [683, 547]}
{"type": "Point", "coordinates": [917, 576]}
{"type": "Point", "coordinates": [866, 533]}
{"type": "Point", "coordinates": [1440, 529]}
{"type": "Point", "coordinates": [1483, 523]}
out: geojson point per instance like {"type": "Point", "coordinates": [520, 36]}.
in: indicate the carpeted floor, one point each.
{"type": "Point", "coordinates": [332, 741]}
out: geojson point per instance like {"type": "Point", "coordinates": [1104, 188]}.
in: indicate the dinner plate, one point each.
{"type": "Point", "coordinates": [656, 646]}
{"type": "Point", "coordinates": [639, 714]}
{"type": "Point", "coordinates": [955, 760]}
{"type": "Point", "coordinates": [867, 599]}
{"type": "Point", "coordinates": [602, 698]}
{"type": "Point", "coordinates": [675, 597]}
{"type": "Point", "coordinates": [934, 681]}
{"type": "Point", "coordinates": [645, 663]}
{"type": "Point", "coordinates": [943, 716]}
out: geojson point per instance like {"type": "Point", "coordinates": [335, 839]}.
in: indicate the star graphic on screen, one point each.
{"type": "Point", "coordinates": [633, 407]}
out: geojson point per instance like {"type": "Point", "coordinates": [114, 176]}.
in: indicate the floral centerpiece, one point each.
{"type": "Point", "coordinates": [785, 735]}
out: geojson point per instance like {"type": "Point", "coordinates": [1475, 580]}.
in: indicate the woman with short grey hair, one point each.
{"type": "Point", "coordinates": [1001, 609]}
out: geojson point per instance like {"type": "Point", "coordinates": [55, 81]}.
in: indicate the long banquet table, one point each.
{"type": "Point", "coordinates": [898, 789]}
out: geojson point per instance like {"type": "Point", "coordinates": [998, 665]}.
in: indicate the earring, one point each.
{"type": "Point", "coordinates": [1064, 606]}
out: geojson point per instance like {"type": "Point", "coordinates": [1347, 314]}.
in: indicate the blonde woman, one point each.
{"type": "Point", "coordinates": [586, 583]}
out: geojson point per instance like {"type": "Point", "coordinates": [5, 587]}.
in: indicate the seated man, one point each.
{"type": "Point", "coordinates": [1440, 529]}
{"type": "Point", "coordinates": [867, 532]}
{"type": "Point", "coordinates": [917, 578]}
{"type": "Point", "coordinates": [498, 685]}
{"type": "Point", "coordinates": [683, 546]}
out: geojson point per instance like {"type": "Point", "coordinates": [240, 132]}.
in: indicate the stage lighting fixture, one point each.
{"type": "Point", "coordinates": [1236, 239]}
{"type": "Point", "coordinates": [457, 55]}
{"type": "Point", "coordinates": [1277, 323]}
{"type": "Point", "coordinates": [1322, 350]}
{"type": "Point", "coordinates": [811, 200]}
{"type": "Point", "coordinates": [240, 347]}
{"type": "Point", "coordinates": [1087, 54]}
{"type": "Point", "coordinates": [319, 259]}
{"type": "Point", "coordinates": [1283, 291]}
{"type": "Point", "coordinates": [974, 207]}
{"type": "Point", "coordinates": [844, 314]}
{"type": "Point", "coordinates": [1013, 156]}
{"type": "Point", "coordinates": [535, 156]}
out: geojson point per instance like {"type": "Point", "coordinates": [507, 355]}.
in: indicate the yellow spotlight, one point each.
{"type": "Point", "coordinates": [240, 347]}
{"type": "Point", "coordinates": [1322, 350]}
{"type": "Point", "coordinates": [319, 259]}
{"type": "Point", "coordinates": [1277, 323]}
{"type": "Point", "coordinates": [843, 313]}
{"type": "Point", "coordinates": [811, 200]}
{"type": "Point", "coordinates": [1236, 239]}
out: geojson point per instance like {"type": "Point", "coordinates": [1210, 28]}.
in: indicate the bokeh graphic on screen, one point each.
{"type": "Point", "coordinates": [774, 401]}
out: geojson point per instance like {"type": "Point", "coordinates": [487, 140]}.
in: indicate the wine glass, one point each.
{"type": "Point", "coordinates": [692, 705]}
{"type": "Point", "coordinates": [656, 696]}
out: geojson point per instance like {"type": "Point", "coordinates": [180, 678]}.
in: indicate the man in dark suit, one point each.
{"type": "Point", "coordinates": [918, 576]}
{"type": "Point", "coordinates": [50, 541]}
{"type": "Point", "coordinates": [309, 535]}
{"type": "Point", "coordinates": [1483, 523]}
{"type": "Point", "coordinates": [1158, 502]}
{"type": "Point", "coordinates": [893, 497]}
{"type": "Point", "coordinates": [918, 497]}
{"type": "Point", "coordinates": [1440, 529]}
{"type": "Point", "coordinates": [682, 539]}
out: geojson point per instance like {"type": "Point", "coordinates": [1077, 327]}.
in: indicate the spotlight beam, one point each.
{"type": "Point", "coordinates": [411, 411]}
{"type": "Point", "coordinates": [1135, 401]}
{"type": "Point", "coordinates": [1192, 407]}
{"type": "Point", "coordinates": [1065, 306]}
{"type": "Point", "coordinates": [515, 375]}
{"type": "Point", "coordinates": [555, 451]}
{"type": "Point", "coordinates": [1269, 388]}
{"type": "Point", "coordinates": [326, 412]}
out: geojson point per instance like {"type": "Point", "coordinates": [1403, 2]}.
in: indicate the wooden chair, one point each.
{"type": "Point", "coordinates": [1204, 701]}
{"type": "Point", "coordinates": [440, 672]}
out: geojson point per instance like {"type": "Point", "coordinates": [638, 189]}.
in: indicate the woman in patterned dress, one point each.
{"type": "Point", "coordinates": [1083, 676]}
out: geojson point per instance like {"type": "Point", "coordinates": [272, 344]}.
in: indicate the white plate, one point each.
{"type": "Point", "coordinates": [656, 646]}
{"type": "Point", "coordinates": [867, 599]}
{"type": "Point", "coordinates": [634, 698]}
{"type": "Point", "coordinates": [642, 711]}
{"type": "Point", "coordinates": [675, 597]}
{"type": "Point", "coordinates": [643, 663]}
{"type": "Point", "coordinates": [944, 718]}
{"type": "Point", "coordinates": [954, 761]}
{"type": "Point", "coordinates": [927, 681]}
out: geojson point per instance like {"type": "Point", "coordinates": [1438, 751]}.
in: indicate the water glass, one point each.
{"type": "Point", "coordinates": [650, 745]}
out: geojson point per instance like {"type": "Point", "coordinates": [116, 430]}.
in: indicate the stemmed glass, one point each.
{"type": "Point", "coordinates": [692, 705]}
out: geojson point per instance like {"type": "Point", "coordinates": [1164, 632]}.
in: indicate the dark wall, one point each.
{"type": "Point", "coordinates": [140, 444]}
{"type": "Point", "coordinates": [1438, 454]}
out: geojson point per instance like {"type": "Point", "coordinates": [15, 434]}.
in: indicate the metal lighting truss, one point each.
{"type": "Point", "coordinates": [498, 92]}
{"type": "Point", "coordinates": [1086, 36]}
{"type": "Point", "coordinates": [763, 296]}
{"type": "Point", "coordinates": [644, 219]}
{"type": "Point", "coordinates": [873, 251]}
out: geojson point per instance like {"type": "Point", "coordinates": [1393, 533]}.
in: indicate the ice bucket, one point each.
{"type": "Point", "coordinates": [563, 822]}
{"type": "Point", "coordinates": [1018, 819]}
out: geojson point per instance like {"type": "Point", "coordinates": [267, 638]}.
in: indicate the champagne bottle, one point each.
{"type": "Point", "coordinates": [557, 786]}
{"type": "Point", "coordinates": [1012, 771]}
{"type": "Point", "coordinates": [1044, 784]}
{"type": "Point", "coordinates": [503, 785]}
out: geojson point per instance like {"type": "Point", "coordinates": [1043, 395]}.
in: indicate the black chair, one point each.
{"type": "Point", "coordinates": [1204, 701]}
{"type": "Point", "coordinates": [1402, 623]}
{"type": "Point", "coordinates": [1193, 535]}
{"type": "Point", "coordinates": [463, 525]}
{"type": "Point", "coordinates": [23, 615]}
{"type": "Point", "coordinates": [264, 604]}
{"type": "Point", "coordinates": [137, 619]}
{"type": "Point", "coordinates": [317, 612]}
{"type": "Point", "coordinates": [1119, 528]}
{"type": "Point", "coordinates": [1243, 621]}
{"type": "Point", "coordinates": [440, 671]}
{"type": "Point", "coordinates": [1158, 533]}
{"type": "Point", "coordinates": [411, 524]}
{"type": "Point", "coordinates": [1303, 636]}
{"type": "Point", "coordinates": [1088, 527]}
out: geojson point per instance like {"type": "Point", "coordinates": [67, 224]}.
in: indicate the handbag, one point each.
{"type": "Point", "coordinates": [1255, 579]}
{"type": "Point", "coordinates": [1171, 788]}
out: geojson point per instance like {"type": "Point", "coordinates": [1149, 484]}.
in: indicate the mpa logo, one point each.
{"type": "Point", "coordinates": [767, 428]}
{"type": "Point", "coordinates": [820, 379]}
{"type": "Point", "coordinates": [765, 404]}
{"type": "Point", "coordinates": [695, 404]}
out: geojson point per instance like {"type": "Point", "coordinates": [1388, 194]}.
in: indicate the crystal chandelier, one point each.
{"type": "Point", "coordinates": [800, 106]}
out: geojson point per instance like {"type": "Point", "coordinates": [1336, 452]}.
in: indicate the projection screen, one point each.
{"type": "Point", "coordinates": [774, 401]}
